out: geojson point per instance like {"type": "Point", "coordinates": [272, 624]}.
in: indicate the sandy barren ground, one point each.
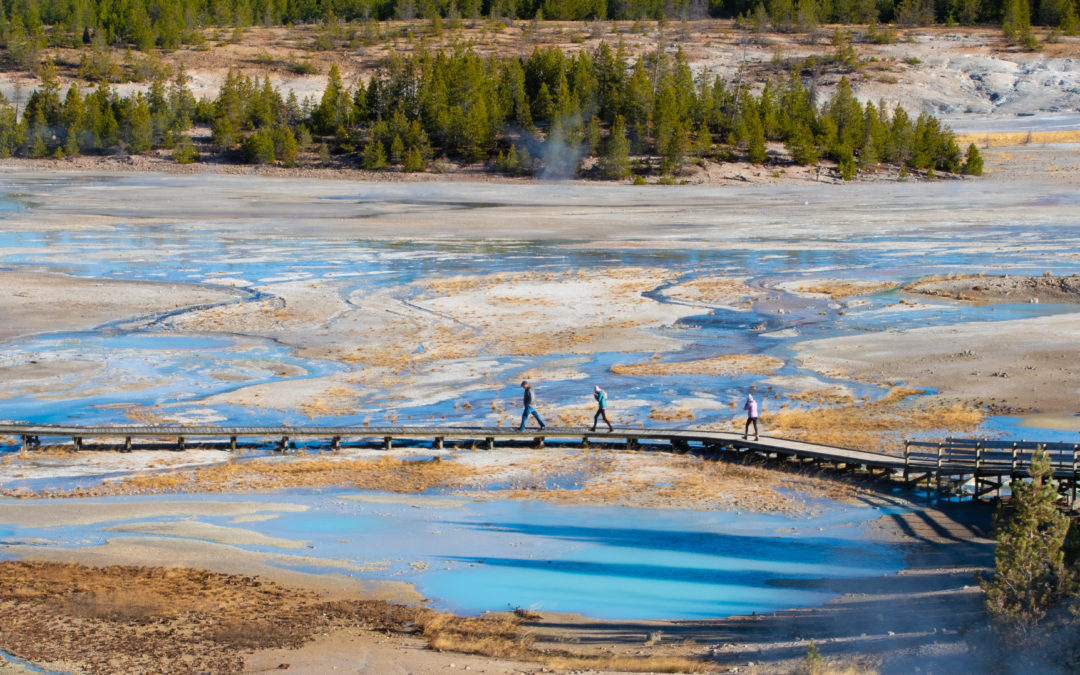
{"type": "Point", "coordinates": [41, 302]}
{"type": "Point", "coordinates": [1023, 367]}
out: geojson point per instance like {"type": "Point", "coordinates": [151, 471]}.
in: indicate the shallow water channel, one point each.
{"type": "Point", "coordinates": [147, 367]}
{"type": "Point", "coordinates": [474, 555]}
{"type": "Point", "coordinates": [469, 556]}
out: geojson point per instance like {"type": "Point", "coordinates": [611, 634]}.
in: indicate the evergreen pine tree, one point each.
{"type": "Point", "coordinates": [397, 150]}
{"type": "Point", "coordinates": [374, 157]}
{"type": "Point", "coordinates": [616, 161]}
{"type": "Point", "coordinates": [755, 139]}
{"type": "Point", "coordinates": [703, 140]}
{"type": "Point", "coordinates": [802, 146]}
{"type": "Point", "coordinates": [414, 161]}
{"type": "Point", "coordinates": [286, 147]}
{"type": "Point", "coordinates": [1030, 576]}
{"type": "Point", "coordinates": [259, 147]}
{"type": "Point", "coordinates": [185, 152]}
{"type": "Point", "coordinates": [141, 134]}
{"type": "Point", "coordinates": [973, 162]}
{"type": "Point", "coordinates": [1016, 23]}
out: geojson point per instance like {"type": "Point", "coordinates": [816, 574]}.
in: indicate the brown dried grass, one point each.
{"type": "Point", "coordinates": [1013, 138]}
{"type": "Point", "coordinates": [671, 414]}
{"type": "Point", "coordinates": [876, 425]}
{"type": "Point", "coordinates": [670, 481]}
{"type": "Point", "coordinates": [838, 290]}
{"type": "Point", "coordinates": [386, 474]}
{"type": "Point", "coordinates": [715, 290]}
{"type": "Point", "coordinates": [729, 364]}
{"type": "Point", "coordinates": [124, 619]}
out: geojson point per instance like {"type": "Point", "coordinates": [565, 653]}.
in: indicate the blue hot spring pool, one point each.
{"type": "Point", "coordinates": [469, 556]}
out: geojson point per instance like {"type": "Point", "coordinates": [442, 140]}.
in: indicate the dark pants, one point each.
{"type": "Point", "coordinates": [749, 421]}
{"type": "Point", "coordinates": [601, 414]}
{"type": "Point", "coordinates": [529, 410]}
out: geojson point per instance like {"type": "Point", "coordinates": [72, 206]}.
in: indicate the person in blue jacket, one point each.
{"type": "Point", "coordinates": [601, 411]}
{"type": "Point", "coordinates": [528, 408]}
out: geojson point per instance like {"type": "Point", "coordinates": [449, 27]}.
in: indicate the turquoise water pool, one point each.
{"type": "Point", "coordinates": [474, 556]}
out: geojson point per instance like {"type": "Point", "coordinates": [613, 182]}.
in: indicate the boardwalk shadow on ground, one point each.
{"type": "Point", "coordinates": [906, 618]}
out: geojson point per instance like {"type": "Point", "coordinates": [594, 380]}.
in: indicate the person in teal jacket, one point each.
{"type": "Point", "coordinates": [601, 411]}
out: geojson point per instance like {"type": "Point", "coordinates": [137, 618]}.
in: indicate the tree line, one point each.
{"type": "Point", "coordinates": [546, 113]}
{"type": "Point", "coordinates": [145, 24]}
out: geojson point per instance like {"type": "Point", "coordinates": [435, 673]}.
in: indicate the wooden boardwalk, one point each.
{"type": "Point", "coordinates": [956, 468]}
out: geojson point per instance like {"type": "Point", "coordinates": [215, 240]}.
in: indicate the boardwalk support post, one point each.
{"type": "Point", "coordinates": [907, 459]}
{"type": "Point", "coordinates": [335, 443]}
{"type": "Point", "coordinates": [77, 440]}
{"type": "Point", "coordinates": [180, 443]}
{"type": "Point", "coordinates": [127, 444]}
{"type": "Point", "coordinates": [438, 442]}
{"type": "Point", "coordinates": [938, 473]}
{"type": "Point", "coordinates": [232, 443]}
{"type": "Point", "coordinates": [978, 466]}
{"type": "Point", "coordinates": [1076, 454]}
{"type": "Point", "coordinates": [489, 443]}
{"type": "Point", "coordinates": [388, 443]}
{"type": "Point", "coordinates": [538, 442]}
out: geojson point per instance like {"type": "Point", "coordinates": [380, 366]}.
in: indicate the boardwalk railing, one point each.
{"type": "Point", "coordinates": [956, 468]}
{"type": "Point", "coordinates": [987, 466]}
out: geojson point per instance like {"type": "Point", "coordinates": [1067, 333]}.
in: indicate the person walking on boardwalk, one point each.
{"type": "Point", "coordinates": [528, 408]}
{"type": "Point", "coordinates": [601, 411]}
{"type": "Point", "coordinates": [751, 409]}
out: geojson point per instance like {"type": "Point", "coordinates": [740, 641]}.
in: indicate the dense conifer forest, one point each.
{"type": "Point", "coordinates": [541, 115]}
{"type": "Point", "coordinates": [169, 23]}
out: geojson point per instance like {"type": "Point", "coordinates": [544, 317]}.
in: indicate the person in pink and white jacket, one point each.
{"type": "Point", "coordinates": [751, 409]}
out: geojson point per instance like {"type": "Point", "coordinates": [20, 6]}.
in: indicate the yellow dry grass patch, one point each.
{"type": "Point", "coordinates": [877, 425]}
{"type": "Point", "coordinates": [391, 475]}
{"type": "Point", "coordinates": [334, 401]}
{"type": "Point", "coordinates": [845, 289]}
{"type": "Point", "coordinates": [714, 291]}
{"type": "Point", "coordinates": [671, 481]}
{"type": "Point", "coordinates": [729, 364]}
{"type": "Point", "coordinates": [822, 397]}
{"type": "Point", "coordinates": [1011, 138]}
{"type": "Point", "coordinates": [671, 414]}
